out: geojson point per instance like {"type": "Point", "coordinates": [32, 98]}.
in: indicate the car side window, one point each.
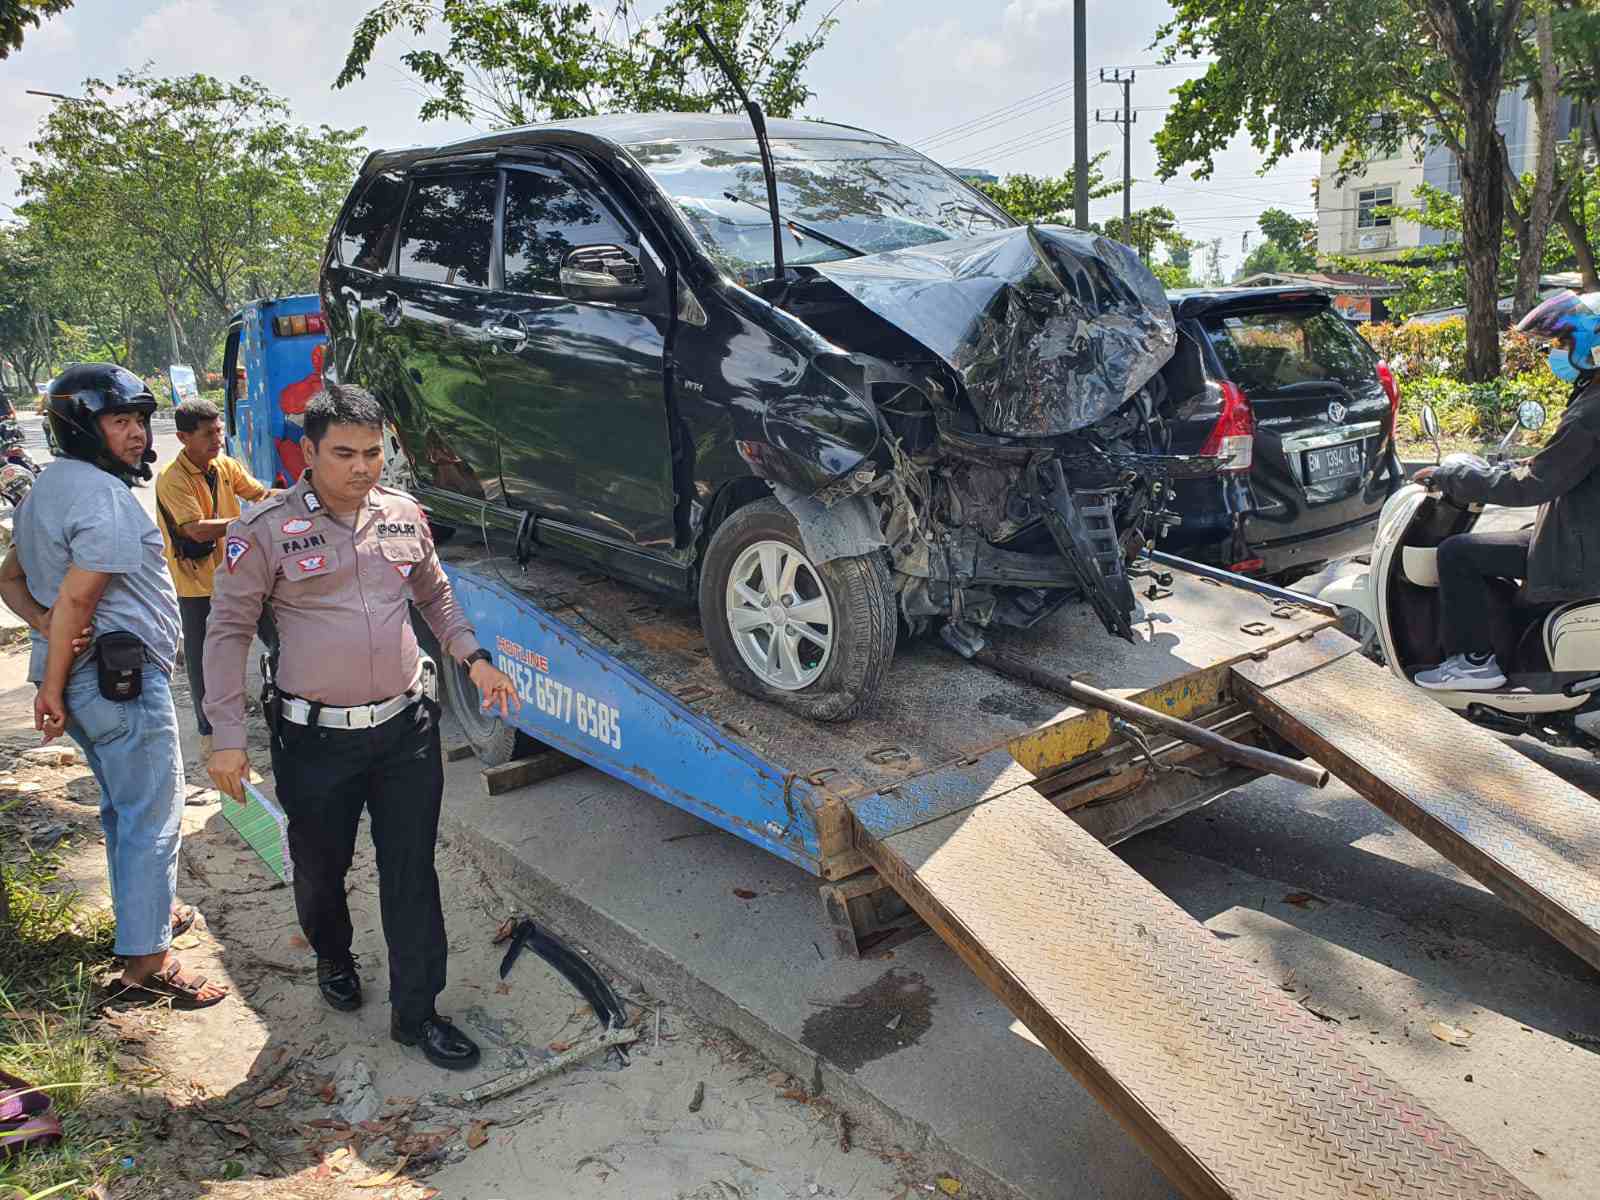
{"type": "Point", "coordinates": [448, 230]}
{"type": "Point", "coordinates": [367, 240]}
{"type": "Point", "coordinates": [547, 215]}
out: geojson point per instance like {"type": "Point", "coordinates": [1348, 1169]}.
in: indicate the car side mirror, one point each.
{"type": "Point", "coordinates": [1430, 426]}
{"type": "Point", "coordinates": [1531, 415]}
{"type": "Point", "coordinates": [605, 273]}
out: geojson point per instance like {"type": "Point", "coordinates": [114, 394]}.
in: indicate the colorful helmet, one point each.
{"type": "Point", "coordinates": [1568, 315]}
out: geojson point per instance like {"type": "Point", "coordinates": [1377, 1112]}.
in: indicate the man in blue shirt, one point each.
{"type": "Point", "coordinates": [92, 558]}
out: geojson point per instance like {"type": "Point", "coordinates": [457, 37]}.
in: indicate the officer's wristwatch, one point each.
{"type": "Point", "coordinates": [477, 656]}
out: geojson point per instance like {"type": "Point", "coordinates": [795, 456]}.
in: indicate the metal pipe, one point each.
{"type": "Point", "coordinates": [1224, 748]}
{"type": "Point", "coordinates": [1234, 579]}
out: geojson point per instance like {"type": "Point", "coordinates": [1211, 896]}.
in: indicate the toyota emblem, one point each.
{"type": "Point", "coordinates": [1336, 412]}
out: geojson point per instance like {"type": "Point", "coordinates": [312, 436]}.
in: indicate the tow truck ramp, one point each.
{"type": "Point", "coordinates": [987, 805]}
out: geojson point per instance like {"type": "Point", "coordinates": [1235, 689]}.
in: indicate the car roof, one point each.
{"type": "Point", "coordinates": [628, 129]}
{"type": "Point", "coordinates": [1192, 302]}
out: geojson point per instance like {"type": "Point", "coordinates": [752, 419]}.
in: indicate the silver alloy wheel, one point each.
{"type": "Point", "coordinates": [779, 615]}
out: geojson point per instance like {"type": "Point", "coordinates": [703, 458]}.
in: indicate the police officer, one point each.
{"type": "Point", "coordinates": [355, 715]}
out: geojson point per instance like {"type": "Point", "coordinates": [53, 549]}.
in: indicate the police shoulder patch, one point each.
{"type": "Point", "coordinates": [236, 549]}
{"type": "Point", "coordinates": [312, 503]}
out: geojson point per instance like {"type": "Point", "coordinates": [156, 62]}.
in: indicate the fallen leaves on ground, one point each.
{"type": "Point", "coordinates": [384, 1180]}
{"type": "Point", "coordinates": [950, 1187]}
{"type": "Point", "coordinates": [1453, 1035]}
{"type": "Point", "coordinates": [744, 893]}
{"type": "Point", "coordinates": [798, 1095]}
{"type": "Point", "coordinates": [1303, 899]}
{"type": "Point", "coordinates": [477, 1134]}
{"type": "Point", "coordinates": [240, 1131]}
{"type": "Point", "coordinates": [559, 1047]}
{"type": "Point", "coordinates": [327, 1093]}
{"type": "Point", "coordinates": [273, 1098]}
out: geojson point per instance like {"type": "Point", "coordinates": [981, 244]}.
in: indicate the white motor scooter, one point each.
{"type": "Point", "coordinates": [1550, 653]}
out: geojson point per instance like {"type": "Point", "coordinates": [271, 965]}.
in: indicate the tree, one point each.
{"type": "Point", "coordinates": [1145, 228]}
{"type": "Point", "coordinates": [27, 318]}
{"type": "Point", "coordinates": [1360, 75]}
{"type": "Point", "coordinates": [193, 193]}
{"type": "Point", "coordinates": [19, 16]}
{"type": "Point", "coordinates": [1289, 245]}
{"type": "Point", "coordinates": [514, 62]}
{"type": "Point", "coordinates": [1043, 200]}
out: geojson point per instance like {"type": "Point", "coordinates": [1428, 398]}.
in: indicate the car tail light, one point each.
{"type": "Point", "coordinates": [1391, 389]}
{"type": "Point", "coordinates": [1248, 567]}
{"type": "Point", "coordinates": [299, 325]}
{"type": "Point", "coordinates": [1233, 438]}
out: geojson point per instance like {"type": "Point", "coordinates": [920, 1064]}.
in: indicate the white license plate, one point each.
{"type": "Point", "coordinates": [1333, 462]}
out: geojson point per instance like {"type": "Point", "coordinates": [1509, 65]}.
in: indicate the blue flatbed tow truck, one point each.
{"type": "Point", "coordinates": [984, 804]}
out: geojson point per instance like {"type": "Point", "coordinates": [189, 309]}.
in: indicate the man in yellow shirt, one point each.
{"type": "Point", "coordinates": [198, 495]}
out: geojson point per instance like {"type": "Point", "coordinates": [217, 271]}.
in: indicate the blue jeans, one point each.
{"type": "Point", "coordinates": [132, 748]}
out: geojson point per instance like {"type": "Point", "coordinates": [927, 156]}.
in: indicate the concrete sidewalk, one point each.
{"type": "Point", "coordinates": [652, 891]}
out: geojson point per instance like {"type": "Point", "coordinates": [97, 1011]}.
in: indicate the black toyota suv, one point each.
{"type": "Point", "coordinates": [1302, 412]}
{"type": "Point", "coordinates": [829, 401]}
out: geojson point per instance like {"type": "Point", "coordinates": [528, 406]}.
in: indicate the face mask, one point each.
{"type": "Point", "coordinates": [1561, 365]}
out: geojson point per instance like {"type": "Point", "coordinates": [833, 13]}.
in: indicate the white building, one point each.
{"type": "Point", "coordinates": [1348, 221]}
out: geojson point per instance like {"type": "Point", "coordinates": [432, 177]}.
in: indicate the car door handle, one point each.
{"type": "Point", "coordinates": [508, 333]}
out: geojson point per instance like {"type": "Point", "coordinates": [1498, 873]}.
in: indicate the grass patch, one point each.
{"type": "Point", "coordinates": [50, 948]}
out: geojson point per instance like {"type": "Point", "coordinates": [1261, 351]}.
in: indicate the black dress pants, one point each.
{"type": "Point", "coordinates": [325, 777]}
{"type": "Point", "coordinates": [194, 612]}
{"type": "Point", "coordinates": [1466, 564]}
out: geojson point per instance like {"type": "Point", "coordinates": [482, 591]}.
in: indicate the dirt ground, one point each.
{"type": "Point", "coordinates": [273, 1094]}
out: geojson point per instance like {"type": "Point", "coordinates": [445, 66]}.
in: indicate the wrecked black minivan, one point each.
{"type": "Point", "coordinates": [888, 410]}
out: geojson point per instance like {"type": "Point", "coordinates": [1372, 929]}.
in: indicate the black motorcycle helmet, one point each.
{"type": "Point", "coordinates": [85, 392]}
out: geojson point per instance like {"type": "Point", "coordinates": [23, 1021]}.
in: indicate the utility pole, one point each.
{"type": "Point", "coordinates": [1080, 114]}
{"type": "Point", "coordinates": [1126, 118]}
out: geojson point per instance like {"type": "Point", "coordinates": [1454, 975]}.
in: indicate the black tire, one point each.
{"type": "Point", "coordinates": [864, 612]}
{"type": "Point", "coordinates": [492, 740]}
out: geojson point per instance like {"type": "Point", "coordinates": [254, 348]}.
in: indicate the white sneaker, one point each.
{"type": "Point", "coordinates": [1462, 673]}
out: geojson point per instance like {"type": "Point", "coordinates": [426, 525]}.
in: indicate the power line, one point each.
{"type": "Point", "coordinates": [944, 134]}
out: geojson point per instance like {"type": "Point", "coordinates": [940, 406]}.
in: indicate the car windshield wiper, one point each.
{"type": "Point", "coordinates": [797, 225]}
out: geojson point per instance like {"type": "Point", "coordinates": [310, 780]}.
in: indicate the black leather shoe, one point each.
{"type": "Point", "coordinates": [443, 1044]}
{"type": "Point", "coordinates": [339, 983]}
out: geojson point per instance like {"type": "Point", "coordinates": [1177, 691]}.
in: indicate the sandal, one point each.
{"type": "Point", "coordinates": [169, 984]}
{"type": "Point", "coordinates": [183, 916]}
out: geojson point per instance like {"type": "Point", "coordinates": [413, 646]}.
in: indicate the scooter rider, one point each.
{"type": "Point", "coordinates": [1561, 479]}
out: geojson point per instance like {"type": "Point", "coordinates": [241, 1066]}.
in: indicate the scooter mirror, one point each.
{"type": "Point", "coordinates": [1430, 422]}
{"type": "Point", "coordinates": [1530, 414]}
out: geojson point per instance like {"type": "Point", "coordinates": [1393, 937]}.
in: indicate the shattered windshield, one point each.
{"type": "Point", "coordinates": [861, 196]}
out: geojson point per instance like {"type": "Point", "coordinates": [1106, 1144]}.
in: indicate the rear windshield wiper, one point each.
{"type": "Point", "coordinates": [797, 225]}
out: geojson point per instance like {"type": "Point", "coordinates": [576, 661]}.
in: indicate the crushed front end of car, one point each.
{"type": "Point", "coordinates": [1023, 462]}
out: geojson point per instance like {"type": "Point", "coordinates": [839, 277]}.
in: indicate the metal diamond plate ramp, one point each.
{"type": "Point", "coordinates": [1235, 1090]}
{"type": "Point", "coordinates": [1529, 836]}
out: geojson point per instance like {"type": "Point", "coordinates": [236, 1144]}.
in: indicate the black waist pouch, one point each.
{"type": "Point", "coordinates": [121, 660]}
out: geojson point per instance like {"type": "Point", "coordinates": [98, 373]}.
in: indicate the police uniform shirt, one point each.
{"type": "Point", "coordinates": [339, 595]}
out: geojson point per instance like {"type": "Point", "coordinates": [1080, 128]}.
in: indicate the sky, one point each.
{"type": "Point", "coordinates": [984, 85]}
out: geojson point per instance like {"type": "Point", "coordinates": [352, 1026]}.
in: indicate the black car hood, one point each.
{"type": "Point", "coordinates": [1049, 329]}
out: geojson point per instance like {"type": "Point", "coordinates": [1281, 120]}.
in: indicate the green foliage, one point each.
{"type": "Point", "coordinates": [1481, 412]}
{"type": "Point", "coordinates": [1047, 200]}
{"type": "Point", "coordinates": [1172, 276]}
{"type": "Point", "coordinates": [51, 945]}
{"type": "Point", "coordinates": [1145, 228]}
{"type": "Point", "coordinates": [17, 17]}
{"type": "Point", "coordinates": [1438, 350]}
{"type": "Point", "coordinates": [1290, 245]}
{"type": "Point", "coordinates": [27, 328]}
{"type": "Point", "coordinates": [514, 62]}
{"type": "Point", "coordinates": [161, 205]}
